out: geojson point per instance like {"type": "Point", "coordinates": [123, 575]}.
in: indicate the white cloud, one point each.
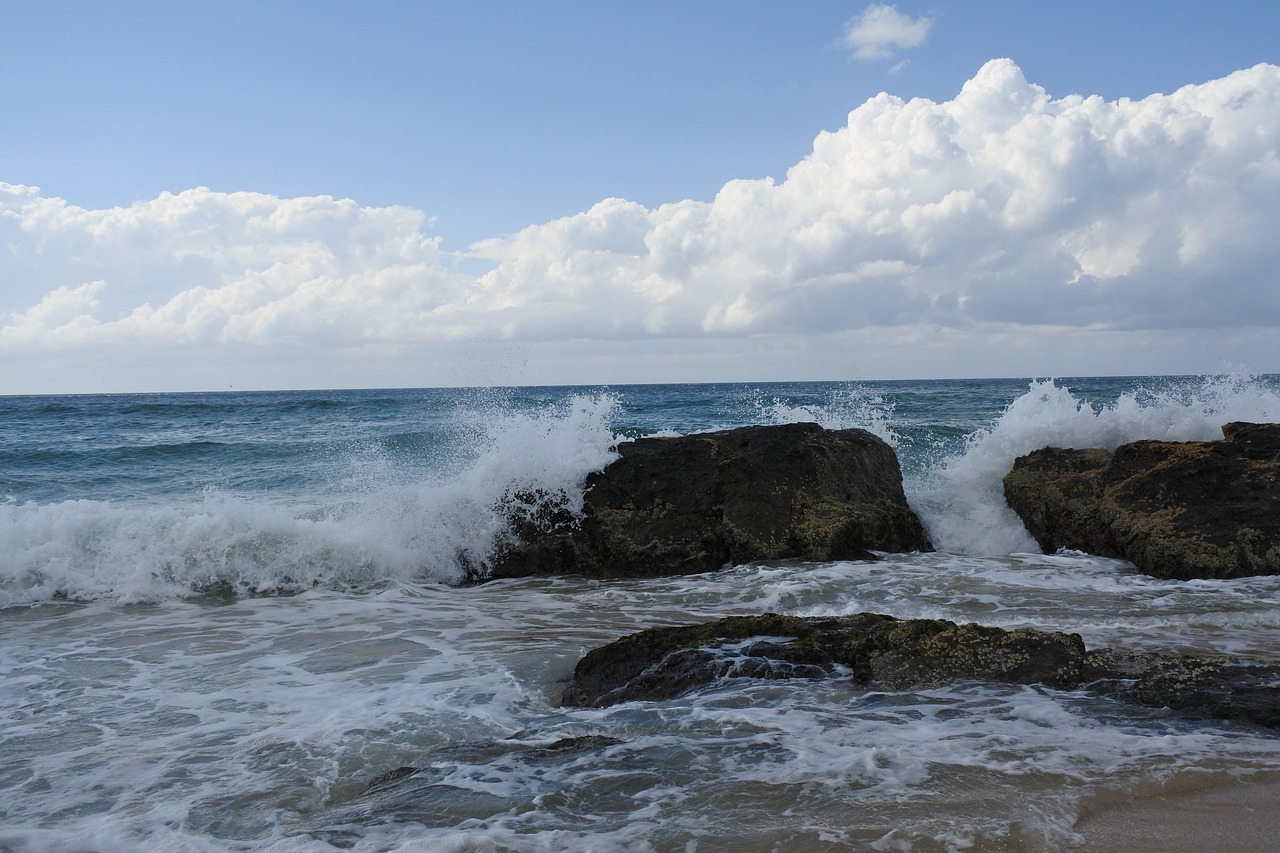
{"type": "Point", "coordinates": [994, 216]}
{"type": "Point", "coordinates": [204, 267]}
{"type": "Point", "coordinates": [881, 30]}
{"type": "Point", "coordinates": [1002, 205]}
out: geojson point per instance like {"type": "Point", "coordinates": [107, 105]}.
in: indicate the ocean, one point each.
{"type": "Point", "coordinates": [223, 615]}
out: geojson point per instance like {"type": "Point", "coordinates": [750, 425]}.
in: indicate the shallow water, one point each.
{"type": "Point", "coordinates": [259, 722]}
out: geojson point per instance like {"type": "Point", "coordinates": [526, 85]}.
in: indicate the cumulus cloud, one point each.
{"type": "Point", "coordinates": [1003, 210]}
{"type": "Point", "coordinates": [881, 30]}
{"type": "Point", "coordinates": [1002, 205]}
{"type": "Point", "coordinates": [203, 267]}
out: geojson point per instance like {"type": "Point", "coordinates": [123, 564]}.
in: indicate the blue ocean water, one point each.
{"type": "Point", "coordinates": [224, 613]}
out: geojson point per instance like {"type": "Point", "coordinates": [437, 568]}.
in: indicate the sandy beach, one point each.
{"type": "Point", "coordinates": [1232, 817]}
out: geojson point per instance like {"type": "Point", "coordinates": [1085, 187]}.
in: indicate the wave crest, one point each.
{"type": "Point", "coordinates": [380, 521]}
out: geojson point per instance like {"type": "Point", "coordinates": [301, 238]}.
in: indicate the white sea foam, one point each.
{"type": "Point", "coordinates": [379, 523]}
{"type": "Point", "coordinates": [257, 724]}
{"type": "Point", "coordinates": [961, 499]}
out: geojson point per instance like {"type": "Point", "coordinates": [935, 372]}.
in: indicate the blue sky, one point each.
{"type": "Point", "coordinates": [481, 129]}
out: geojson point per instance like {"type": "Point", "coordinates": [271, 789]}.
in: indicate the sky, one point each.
{"type": "Point", "coordinates": [214, 195]}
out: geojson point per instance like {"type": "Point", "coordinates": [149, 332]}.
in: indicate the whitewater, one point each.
{"type": "Point", "coordinates": [223, 615]}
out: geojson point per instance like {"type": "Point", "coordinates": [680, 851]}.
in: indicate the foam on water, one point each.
{"type": "Point", "coordinates": [378, 521]}
{"type": "Point", "coordinates": [257, 724]}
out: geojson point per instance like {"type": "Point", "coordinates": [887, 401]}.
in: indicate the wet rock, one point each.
{"type": "Point", "coordinates": [1213, 687]}
{"type": "Point", "coordinates": [882, 652]}
{"type": "Point", "coordinates": [567, 745]}
{"type": "Point", "coordinates": [871, 648]}
{"type": "Point", "coordinates": [700, 502]}
{"type": "Point", "coordinates": [1193, 509]}
{"type": "Point", "coordinates": [390, 777]}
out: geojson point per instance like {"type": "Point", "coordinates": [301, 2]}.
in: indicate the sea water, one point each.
{"type": "Point", "coordinates": [224, 615]}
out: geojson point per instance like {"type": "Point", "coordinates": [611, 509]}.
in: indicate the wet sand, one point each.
{"type": "Point", "coordinates": [1232, 817]}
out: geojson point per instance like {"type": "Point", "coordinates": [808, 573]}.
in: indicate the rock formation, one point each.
{"type": "Point", "coordinates": [699, 502]}
{"type": "Point", "coordinates": [882, 652]}
{"type": "Point", "coordinates": [898, 654]}
{"type": "Point", "coordinates": [1193, 509]}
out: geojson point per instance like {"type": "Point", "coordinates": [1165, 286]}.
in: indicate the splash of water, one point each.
{"type": "Point", "coordinates": [379, 522]}
{"type": "Point", "coordinates": [849, 407]}
{"type": "Point", "coordinates": [960, 499]}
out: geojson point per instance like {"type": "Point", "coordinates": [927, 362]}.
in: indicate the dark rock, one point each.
{"type": "Point", "coordinates": [391, 777]}
{"type": "Point", "coordinates": [1193, 509]}
{"type": "Point", "coordinates": [568, 745]}
{"type": "Point", "coordinates": [1200, 685]}
{"type": "Point", "coordinates": [897, 654]}
{"type": "Point", "coordinates": [903, 654]}
{"type": "Point", "coordinates": [700, 502]}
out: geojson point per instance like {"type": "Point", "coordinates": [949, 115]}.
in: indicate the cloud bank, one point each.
{"type": "Point", "coordinates": [1000, 211]}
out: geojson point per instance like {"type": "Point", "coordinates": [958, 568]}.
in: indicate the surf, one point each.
{"type": "Point", "coordinates": [254, 494]}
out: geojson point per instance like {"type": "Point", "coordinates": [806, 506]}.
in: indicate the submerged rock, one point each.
{"type": "Point", "coordinates": [1202, 685]}
{"type": "Point", "coordinates": [1190, 509]}
{"type": "Point", "coordinates": [390, 777]}
{"type": "Point", "coordinates": [871, 648]}
{"type": "Point", "coordinates": [883, 652]}
{"type": "Point", "coordinates": [699, 502]}
{"type": "Point", "coordinates": [486, 751]}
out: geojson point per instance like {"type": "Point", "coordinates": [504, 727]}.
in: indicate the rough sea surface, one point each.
{"type": "Point", "coordinates": [223, 615]}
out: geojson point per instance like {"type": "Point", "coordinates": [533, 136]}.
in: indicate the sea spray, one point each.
{"type": "Point", "coordinates": [529, 463]}
{"type": "Point", "coordinates": [850, 406]}
{"type": "Point", "coordinates": [961, 498]}
{"type": "Point", "coordinates": [371, 520]}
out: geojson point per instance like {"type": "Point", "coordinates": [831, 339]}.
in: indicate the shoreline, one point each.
{"type": "Point", "coordinates": [1232, 815]}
